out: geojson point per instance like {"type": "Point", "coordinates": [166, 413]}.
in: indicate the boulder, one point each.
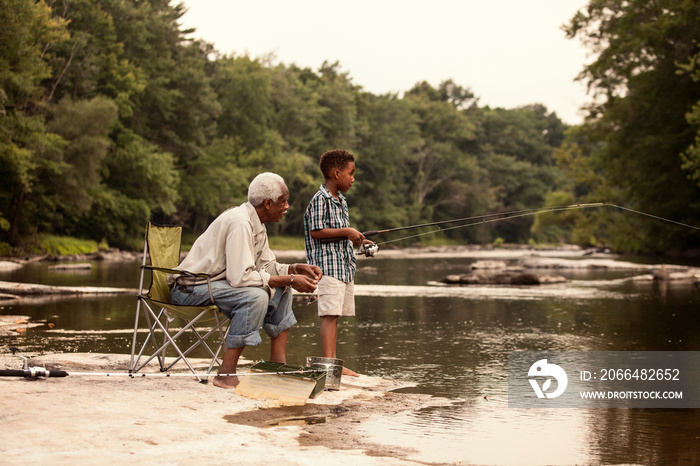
{"type": "Point", "coordinates": [7, 266]}
{"type": "Point", "coordinates": [489, 265]}
{"type": "Point", "coordinates": [512, 278]}
{"type": "Point", "coordinates": [79, 266]}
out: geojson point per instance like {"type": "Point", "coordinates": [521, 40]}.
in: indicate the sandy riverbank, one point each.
{"type": "Point", "coordinates": [81, 420]}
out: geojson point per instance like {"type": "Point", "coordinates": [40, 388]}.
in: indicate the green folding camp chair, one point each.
{"type": "Point", "coordinates": [162, 246]}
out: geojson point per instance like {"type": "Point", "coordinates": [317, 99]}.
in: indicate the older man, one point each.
{"type": "Point", "coordinates": [248, 284]}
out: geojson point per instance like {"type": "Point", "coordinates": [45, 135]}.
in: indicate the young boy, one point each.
{"type": "Point", "coordinates": [327, 217]}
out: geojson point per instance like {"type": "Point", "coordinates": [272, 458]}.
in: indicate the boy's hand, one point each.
{"type": "Point", "coordinates": [355, 236]}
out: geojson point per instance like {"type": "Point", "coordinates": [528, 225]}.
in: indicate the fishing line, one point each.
{"type": "Point", "coordinates": [484, 219]}
{"type": "Point", "coordinates": [487, 217]}
{"type": "Point", "coordinates": [655, 217]}
{"type": "Point", "coordinates": [504, 216]}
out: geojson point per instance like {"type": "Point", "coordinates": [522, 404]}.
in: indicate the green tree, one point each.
{"type": "Point", "coordinates": [27, 37]}
{"type": "Point", "coordinates": [136, 54]}
{"type": "Point", "coordinates": [139, 182]}
{"type": "Point", "coordinates": [93, 60]}
{"type": "Point", "coordinates": [110, 114]}
{"type": "Point", "coordinates": [296, 113]}
{"type": "Point", "coordinates": [389, 136]}
{"type": "Point", "coordinates": [642, 97]}
{"type": "Point", "coordinates": [84, 126]}
{"type": "Point", "coordinates": [139, 170]}
{"type": "Point", "coordinates": [178, 107]}
{"type": "Point", "coordinates": [514, 147]}
{"type": "Point", "coordinates": [440, 164]}
{"type": "Point", "coordinates": [243, 88]}
{"type": "Point", "coordinates": [217, 180]}
{"type": "Point", "coordinates": [337, 97]}
{"type": "Point", "coordinates": [527, 133]}
{"type": "Point", "coordinates": [581, 180]}
{"type": "Point", "coordinates": [691, 157]}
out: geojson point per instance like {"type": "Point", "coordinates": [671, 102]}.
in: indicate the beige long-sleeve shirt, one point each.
{"type": "Point", "coordinates": [234, 247]}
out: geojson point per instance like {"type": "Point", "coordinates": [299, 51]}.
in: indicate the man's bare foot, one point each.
{"type": "Point", "coordinates": [230, 381]}
{"type": "Point", "coordinates": [349, 372]}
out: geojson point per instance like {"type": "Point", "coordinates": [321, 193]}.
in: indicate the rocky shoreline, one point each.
{"type": "Point", "coordinates": [108, 255]}
{"type": "Point", "coordinates": [84, 419]}
{"type": "Point", "coordinates": [529, 271]}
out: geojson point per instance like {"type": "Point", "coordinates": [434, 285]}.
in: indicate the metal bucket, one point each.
{"type": "Point", "coordinates": [334, 370]}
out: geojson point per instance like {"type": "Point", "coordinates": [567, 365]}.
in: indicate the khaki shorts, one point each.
{"type": "Point", "coordinates": [335, 297]}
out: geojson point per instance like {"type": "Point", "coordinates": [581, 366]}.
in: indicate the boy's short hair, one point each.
{"type": "Point", "coordinates": [336, 158]}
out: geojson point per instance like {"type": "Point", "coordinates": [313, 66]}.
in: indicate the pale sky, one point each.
{"type": "Point", "coordinates": [508, 52]}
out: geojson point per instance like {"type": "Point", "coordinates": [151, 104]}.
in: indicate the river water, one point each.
{"type": "Point", "coordinates": [451, 343]}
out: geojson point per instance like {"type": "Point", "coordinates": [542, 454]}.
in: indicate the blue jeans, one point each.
{"type": "Point", "coordinates": [247, 307]}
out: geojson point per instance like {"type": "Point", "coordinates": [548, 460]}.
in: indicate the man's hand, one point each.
{"type": "Point", "coordinates": [304, 284]}
{"type": "Point", "coordinates": [311, 271]}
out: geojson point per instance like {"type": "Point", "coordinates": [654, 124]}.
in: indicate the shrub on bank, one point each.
{"type": "Point", "coordinates": [67, 246]}
{"type": "Point", "coordinates": [287, 243]}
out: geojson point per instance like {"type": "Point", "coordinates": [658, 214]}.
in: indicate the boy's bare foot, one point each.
{"type": "Point", "coordinates": [230, 381]}
{"type": "Point", "coordinates": [349, 372]}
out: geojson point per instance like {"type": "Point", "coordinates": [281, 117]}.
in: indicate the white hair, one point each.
{"type": "Point", "coordinates": [266, 186]}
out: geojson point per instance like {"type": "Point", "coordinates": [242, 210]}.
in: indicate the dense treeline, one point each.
{"type": "Point", "coordinates": [640, 145]}
{"type": "Point", "coordinates": [111, 114]}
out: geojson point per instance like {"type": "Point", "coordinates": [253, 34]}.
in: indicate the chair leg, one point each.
{"type": "Point", "coordinates": [132, 363]}
{"type": "Point", "coordinates": [151, 334]}
{"type": "Point", "coordinates": [158, 349]}
{"type": "Point", "coordinates": [201, 340]}
{"type": "Point", "coordinates": [171, 341]}
{"type": "Point", "coordinates": [156, 323]}
{"type": "Point", "coordinates": [161, 358]}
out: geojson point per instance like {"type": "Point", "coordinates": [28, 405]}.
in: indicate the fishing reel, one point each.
{"type": "Point", "coordinates": [29, 372]}
{"type": "Point", "coordinates": [14, 350]}
{"type": "Point", "coordinates": [368, 249]}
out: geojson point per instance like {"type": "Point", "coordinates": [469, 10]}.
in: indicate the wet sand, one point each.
{"type": "Point", "coordinates": [88, 419]}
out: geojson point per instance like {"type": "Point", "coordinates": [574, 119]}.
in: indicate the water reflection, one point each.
{"type": "Point", "coordinates": [451, 343]}
{"type": "Point", "coordinates": [484, 432]}
{"type": "Point", "coordinates": [119, 274]}
{"type": "Point", "coordinates": [487, 432]}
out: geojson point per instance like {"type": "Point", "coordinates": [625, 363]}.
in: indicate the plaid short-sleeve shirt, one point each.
{"type": "Point", "coordinates": [336, 259]}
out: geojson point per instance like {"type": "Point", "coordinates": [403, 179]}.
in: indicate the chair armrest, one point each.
{"type": "Point", "coordinates": [177, 272]}
{"type": "Point", "coordinates": [206, 276]}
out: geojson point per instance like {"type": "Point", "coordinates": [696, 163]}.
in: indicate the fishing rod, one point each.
{"type": "Point", "coordinates": [29, 372]}
{"type": "Point", "coordinates": [371, 248]}
{"type": "Point", "coordinates": [41, 372]}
